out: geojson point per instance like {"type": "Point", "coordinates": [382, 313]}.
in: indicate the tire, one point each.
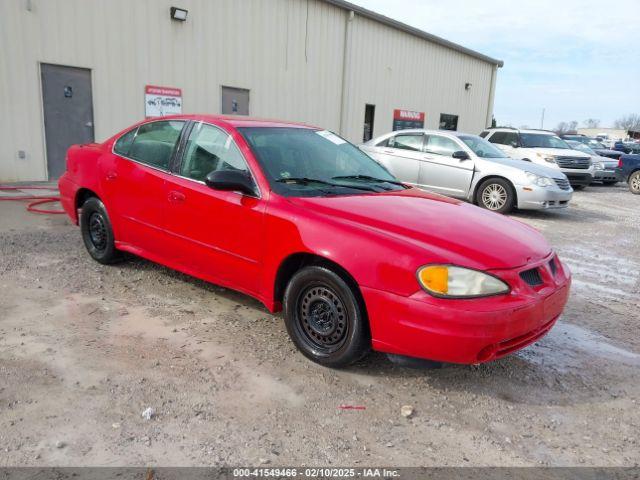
{"type": "Point", "coordinates": [497, 195]}
{"type": "Point", "coordinates": [634, 182]}
{"type": "Point", "coordinates": [579, 187]}
{"type": "Point", "coordinates": [97, 232]}
{"type": "Point", "coordinates": [325, 318]}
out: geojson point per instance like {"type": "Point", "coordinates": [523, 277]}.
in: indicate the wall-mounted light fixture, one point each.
{"type": "Point", "coordinates": [467, 86]}
{"type": "Point", "coordinates": [179, 14]}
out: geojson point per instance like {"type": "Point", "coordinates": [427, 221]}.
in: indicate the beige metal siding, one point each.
{"type": "Point", "coordinates": [392, 69]}
{"type": "Point", "coordinates": [289, 53]}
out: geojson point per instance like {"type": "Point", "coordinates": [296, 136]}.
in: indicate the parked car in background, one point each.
{"type": "Point", "coordinates": [468, 167]}
{"type": "Point", "coordinates": [545, 148]}
{"type": "Point", "coordinates": [605, 140]}
{"type": "Point", "coordinates": [605, 167]}
{"type": "Point", "coordinates": [596, 145]}
{"type": "Point", "coordinates": [628, 170]}
{"type": "Point", "coordinates": [603, 151]}
{"type": "Point", "coordinates": [576, 137]}
{"type": "Point", "coordinates": [627, 147]}
{"type": "Point", "coordinates": [301, 219]}
{"type": "Point", "coordinates": [634, 147]}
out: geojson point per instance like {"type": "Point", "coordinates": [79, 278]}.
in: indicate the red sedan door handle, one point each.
{"type": "Point", "coordinates": [111, 176]}
{"type": "Point", "coordinates": [176, 197]}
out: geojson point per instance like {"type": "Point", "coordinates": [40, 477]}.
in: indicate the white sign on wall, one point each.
{"type": "Point", "coordinates": [161, 101]}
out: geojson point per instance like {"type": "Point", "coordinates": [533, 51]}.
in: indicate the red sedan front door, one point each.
{"type": "Point", "coordinates": [217, 234]}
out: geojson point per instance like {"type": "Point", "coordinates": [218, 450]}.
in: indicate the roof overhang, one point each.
{"type": "Point", "coordinates": [413, 31]}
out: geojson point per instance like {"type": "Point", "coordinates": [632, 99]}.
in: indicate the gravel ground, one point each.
{"type": "Point", "coordinates": [86, 348]}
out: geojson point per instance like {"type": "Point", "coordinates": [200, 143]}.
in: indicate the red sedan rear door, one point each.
{"type": "Point", "coordinates": [135, 185]}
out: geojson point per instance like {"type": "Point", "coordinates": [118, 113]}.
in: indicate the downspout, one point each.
{"type": "Point", "coordinates": [492, 94]}
{"type": "Point", "coordinates": [345, 68]}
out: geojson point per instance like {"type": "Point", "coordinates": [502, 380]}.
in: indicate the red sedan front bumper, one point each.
{"type": "Point", "coordinates": [474, 330]}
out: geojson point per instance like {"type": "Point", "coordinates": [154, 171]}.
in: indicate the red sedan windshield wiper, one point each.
{"type": "Point", "coordinates": [306, 180]}
{"type": "Point", "coordinates": [367, 178]}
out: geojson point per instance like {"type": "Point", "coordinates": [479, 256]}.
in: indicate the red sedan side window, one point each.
{"type": "Point", "coordinates": [208, 149]}
{"type": "Point", "coordinates": [123, 144]}
{"type": "Point", "coordinates": [152, 144]}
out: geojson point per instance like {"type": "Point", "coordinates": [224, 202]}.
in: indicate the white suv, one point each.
{"type": "Point", "coordinates": [546, 148]}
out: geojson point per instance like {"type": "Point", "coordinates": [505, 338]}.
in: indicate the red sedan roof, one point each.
{"type": "Point", "coordinates": [237, 121]}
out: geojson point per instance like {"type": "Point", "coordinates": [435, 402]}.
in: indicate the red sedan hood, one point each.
{"type": "Point", "coordinates": [453, 231]}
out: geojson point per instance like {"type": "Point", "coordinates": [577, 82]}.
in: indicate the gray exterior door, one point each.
{"type": "Point", "coordinates": [235, 101]}
{"type": "Point", "coordinates": [68, 112]}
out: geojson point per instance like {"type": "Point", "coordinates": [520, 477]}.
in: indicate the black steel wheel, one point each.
{"type": "Point", "coordinates": [322, 317]}
{"type": "Point", "coordinates": [97, 233]}
{"type": "Point", "coordinates": [497, 195]}
{"type": "Point", "coordinates": [325, 317]}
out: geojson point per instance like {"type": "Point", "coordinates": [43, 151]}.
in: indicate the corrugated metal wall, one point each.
{"type": "Point", "coordinates": [289, 53]}
{"type": "Point", "coordinates": [392, 69]}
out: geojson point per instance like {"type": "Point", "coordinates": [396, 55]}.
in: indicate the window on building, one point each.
{"type": "Point", "coordinates": [409, 141]}
{"type": "Point", "coordinates": [441, 145]}
{"type": "Point", "coordinates": [210, 149]}
{"type": "Point", "coordinates": [448, 122]}
{"type": "Point", "coordinates": [155, 142]}
{"type": "Point", "coordinates": [235, 101]}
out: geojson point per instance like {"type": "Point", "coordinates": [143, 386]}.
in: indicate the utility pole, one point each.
{"type": "Point", "coordinates": [542, 120]}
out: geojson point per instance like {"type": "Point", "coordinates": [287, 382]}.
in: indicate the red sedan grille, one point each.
{"type": "Point", "coordinates": [532, 277]}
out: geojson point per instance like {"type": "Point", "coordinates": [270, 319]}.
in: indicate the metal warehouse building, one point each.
{"type": "Point", "coordinates": [77, 70]}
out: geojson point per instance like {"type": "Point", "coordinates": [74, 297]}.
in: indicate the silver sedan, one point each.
{"type": "Point", "coordinates": [468, 167]}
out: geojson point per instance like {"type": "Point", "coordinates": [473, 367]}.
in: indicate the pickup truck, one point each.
{"type": "Point", "coordinates": [628, 170]}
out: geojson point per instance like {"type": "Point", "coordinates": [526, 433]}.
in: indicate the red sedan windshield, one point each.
{"type": "Point", "coordinates": [306, 162]}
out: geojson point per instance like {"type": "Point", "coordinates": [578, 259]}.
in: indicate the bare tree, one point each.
{"type": "Point", "coordinates": [629, 122]}
{"type": "Point", "coordinates": [592, 123]}
{"type": "Point", "coordinates": [561, 128]}
{"type": "Point", "coordinates": [566, 127]}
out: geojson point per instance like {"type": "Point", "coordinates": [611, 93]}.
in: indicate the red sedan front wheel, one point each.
{"type": "Point", "coordinates": [324, 317]}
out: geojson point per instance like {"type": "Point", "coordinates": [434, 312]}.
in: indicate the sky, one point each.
{"type": "Point", "coordinates": [577, 59]}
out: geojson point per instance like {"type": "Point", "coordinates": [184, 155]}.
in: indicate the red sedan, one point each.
{"type": "Point", "coordinates": [304, 221]}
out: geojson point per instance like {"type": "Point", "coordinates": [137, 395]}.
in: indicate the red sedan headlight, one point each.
{"type": "Point", "coordinates": [449, 281]}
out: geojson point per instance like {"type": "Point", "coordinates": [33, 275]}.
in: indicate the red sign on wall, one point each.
{"type": "Point", "coordinates": [405, 119]}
